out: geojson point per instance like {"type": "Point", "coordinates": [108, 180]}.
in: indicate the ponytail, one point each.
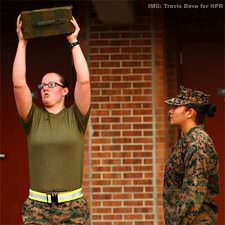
{"type": "Point", "coordinates": [201, 110]}
{"type": "Point", "coordinates": [210, 109]}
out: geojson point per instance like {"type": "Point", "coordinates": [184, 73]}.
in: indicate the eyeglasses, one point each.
{"type": "Point", "coordinates": [51, 84]}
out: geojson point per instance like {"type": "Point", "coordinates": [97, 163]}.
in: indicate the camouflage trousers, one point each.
{"type": "Point", "coordinates": [39, 213]}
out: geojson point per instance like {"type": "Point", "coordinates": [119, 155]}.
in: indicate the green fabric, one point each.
{"type": "Point", "coordinates": [55, 146]}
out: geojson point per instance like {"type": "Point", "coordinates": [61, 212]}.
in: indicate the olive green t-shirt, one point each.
{"type": "Point", "coordinates": [55, 146]}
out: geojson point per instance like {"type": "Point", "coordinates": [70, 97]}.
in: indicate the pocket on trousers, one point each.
{"type": "Point", "coordinates": [25, 205]}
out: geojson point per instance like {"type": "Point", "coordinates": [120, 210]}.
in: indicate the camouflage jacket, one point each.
{"type": "Point", "coordinates": [191, 181]}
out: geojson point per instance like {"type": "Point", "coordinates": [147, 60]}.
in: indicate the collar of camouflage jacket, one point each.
{"type": "Point", "coordinates": [192, 129]}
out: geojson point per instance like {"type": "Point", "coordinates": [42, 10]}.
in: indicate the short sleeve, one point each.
{"type": "Point", "coordinates": [27, 124]}
{"type": "Point", "coordinates": [82, 120]}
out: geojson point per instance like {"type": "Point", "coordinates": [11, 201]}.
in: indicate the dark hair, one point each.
{"type": "Point", "coordinates": [201, 110]}
{"type": "Point", "coordinates": [63, 80]}
{"type": "Point", "coordinates": [66, 85]}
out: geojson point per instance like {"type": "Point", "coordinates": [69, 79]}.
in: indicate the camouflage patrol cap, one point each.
{"type": "Point", "coordinates": [187, 96]}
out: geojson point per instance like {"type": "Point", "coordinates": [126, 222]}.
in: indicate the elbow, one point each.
{"type": "Point", "coordinates": [83, 82]}
{"type": "Point", "coordinates": [19, 85]}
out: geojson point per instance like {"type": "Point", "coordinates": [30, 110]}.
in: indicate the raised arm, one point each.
{"type": "Point", "coordinates": [22, 92]}
{"type": "Point", "coordinates": [82, 90]}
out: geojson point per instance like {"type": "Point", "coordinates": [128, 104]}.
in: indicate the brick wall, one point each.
{"type": "Point", "coordinates": [121, 77]}
{"type": "Point", "coordinates": [127, 142]}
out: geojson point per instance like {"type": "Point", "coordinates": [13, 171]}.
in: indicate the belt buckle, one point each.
{"type": "Point", "coordinates": [54, 197]}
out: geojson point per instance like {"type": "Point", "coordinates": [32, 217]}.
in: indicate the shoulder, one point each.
{"type": "Point", "coordinates": [199, 144]}
{"type": "Point", "coordinates": [199, 135]}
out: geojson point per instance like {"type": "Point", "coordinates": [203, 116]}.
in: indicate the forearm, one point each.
{"type": "Point", "coordinates": [80, 65]}
{"type": "Point", "coordinates": [19, 65]}
{"type": "Point", "coordinates": [194, 188]}
{"type": "Point", "coordinates": [189, 204]}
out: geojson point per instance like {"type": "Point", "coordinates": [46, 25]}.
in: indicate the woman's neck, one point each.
{"type": "Point", "coordinates": [55, 108]}
{"type": "Point", "coordinates": [187, 126]}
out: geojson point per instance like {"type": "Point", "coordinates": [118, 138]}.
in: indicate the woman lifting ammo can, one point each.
{"type": "Point", "coordinates": [55, 137]}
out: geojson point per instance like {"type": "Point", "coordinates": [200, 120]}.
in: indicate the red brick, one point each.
{"type": "Point", "coordinates": [120, 57]}
{"type": "Point", "coordinates": [131, 35]}
{"type": "Point", "coordinates": [110, 105]}
{"type": "Point", "coordinates": [133, 189]}
{"type": "Point", "coordinates": [101, 126]}
{"type": "Point", "coordinates": [120, 98]}
{"type": "Point", "coordinates": [122, 182]}
{"type": "Point", "coordinates": [132, 147]}
{"type": "Point", "coordinates": [131, 63]}
{"type": "Point", "coordinates": [131, 50]}
{"type": "Point", "coordinates": [101, 140]}
{"type": "Point", "coordinates": [111, 161]}
{"type": "Point", "coordinates": [99, 42]}
{"type": "Point", "coordinates": [121, 154]}
{"type": "Point", "coordinates": [132, 91]}
{"type": "Point", "coordinates": [121, 126]}
{"type": "Point", "coordinates": [141, 57]}
{"type": "Point", "coordinates": [131, 133]}
{"type": "Point", "coordinates": [101, 169]}
{"type": "Point", "coordinates": [100, 71]}
{"type": "Point", "coordinates": [111, 147]}
{"type": "Point", "coordinates": [102, 196]}
{"type": "Point", "coordinates": [111, 78]}
{"type": "Point", "coordinates": [143, 196]}
{"type": "Point", "coordinates": [132, 78]}
{"type": "Point", "coordinates": [100, 85]}
{"type": "Point", "coordinates": [109, 35]}
{"type": "Point", "coordinates": [111, 92]}
{"type": "Point", "coordinates": [101, 223]}
{"type": "Point", "coordinates": [121, 112]}
{"type": "Point", "coordinates": [120, 71]}
{"type": "Point", "coordinates": [109, 50]}
{"type": "Point", "coordinates": [141, 42]}
{"type": "Point", "coordinates": [119, 42]}
{"type": "Point", "coordinates": [110, 64]}
{"type": "Point", "coordinates": [112, 203]}
{"type": "Point", "coordinates": [94, 35]}
{"type": "Point", "coordinates": [132, 119]}
{"type": "Point", "coordinates": [100, 113]}
{"type": "Point", "coordinates": [112, 217]}
{"type": "Point", "coordinates": [122, 210]}
{"type": "Point", "coordinates": [98, 57]}
{"type": "Point", "coordinates": [102, 210]}
{"type": "Point", "coordinates": [131, 161]}
{"type": "Point", "coordinates": [122, 168]}
{"type": "Point", "coordinates": [110, 133]}
{"type": "Point", "coordinates": [121, 140]}
{"type": "Point", "coordinates": [132, 105]}
{"type": "Point", "coordinates": [112, 189]}
{"type": "Point", "coordinates": [143, 182]}
{"type": "Point", "coordinates": [110, 120]}
{"type": "Point", "coordinates": [122, 196]}
{"type": "Point", "coordinates": [133, 203]}
{"type": "Point", "coordinates": [141, 85]}
{"type": "Point", "coordinates": [100, 98]}
{"type": "Point", "coordinates": [133, 217]}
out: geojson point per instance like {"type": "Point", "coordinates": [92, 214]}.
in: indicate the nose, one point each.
{"type": "Point", "coordinates": [171, 110]}
{"type": "Point", "coordinates": [45, 87]}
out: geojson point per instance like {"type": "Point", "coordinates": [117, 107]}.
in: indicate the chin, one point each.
{"type": "Point", "coordinates": [46, 103]}
{"type": "Point", "coordinates": [172, 123]}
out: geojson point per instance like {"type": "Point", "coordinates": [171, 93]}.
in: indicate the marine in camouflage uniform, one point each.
{"type": "Point", "coordinates": [191, 173]}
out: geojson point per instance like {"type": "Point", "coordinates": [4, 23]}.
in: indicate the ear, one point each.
{"type": "Point", "coordinates": [190, 113]}
{"type": "Point", "coordinates": [65, 91]}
